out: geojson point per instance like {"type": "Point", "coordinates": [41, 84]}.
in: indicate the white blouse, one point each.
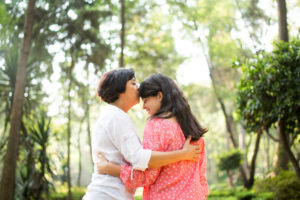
{"type": "Point", "coordinates": [114, 136]}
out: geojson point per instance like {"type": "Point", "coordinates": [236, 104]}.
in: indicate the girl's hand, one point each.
{"type": "Point", "coordinates": [102, 164]}
{"type": "Point", "coordinates": [191, 152]}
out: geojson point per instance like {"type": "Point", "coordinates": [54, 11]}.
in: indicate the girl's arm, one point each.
{"type": "Point", "coordinates": [158, 159]}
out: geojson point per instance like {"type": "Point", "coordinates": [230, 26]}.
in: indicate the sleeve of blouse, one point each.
{"type": "Point", "coordinates": [152, 140]}
{"type": "Point", "coordinates": [126, 140]}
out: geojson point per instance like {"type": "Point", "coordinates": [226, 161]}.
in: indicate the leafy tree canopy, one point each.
{"type": "Point", "coordinates": [270, 88]}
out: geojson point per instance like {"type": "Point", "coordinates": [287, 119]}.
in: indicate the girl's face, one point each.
{"type": "Point", "coordinates": [152, 104]}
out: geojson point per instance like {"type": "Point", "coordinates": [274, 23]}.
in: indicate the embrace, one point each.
{"type": "Point", "coordinates": [170, 163]}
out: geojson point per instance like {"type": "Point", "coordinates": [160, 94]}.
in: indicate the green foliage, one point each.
{"type": "Point", "coordinates": [237, 193]}
{"type": "Point", "coordinates": [77, 193]}
{"type": "Point", "coordinates": [286, 185]}
{"type": "Point", "coordinates": [264, 196]}
{"type": "Point", "coordinates": [269, 88]}
{"type": "Point", "coordinates": [245, 195]}
{"type": "Point", "coordinates": [221, 192]}
{"type": "Point", "coordinates": [151, 47]}
{"type": "Point", "coordinates": [230, 160]}
{"type": "Point", "coordinates": [33, 94]}
{"type": "Point", "coordinates": [35, 176]}
{"type": "Point", "coordinates": [256, 19]}
{"type": "Point", "coordinates": [62, 193]}
{"type": "Point", "coordinates": [138, 198]}
{"type": "Point", "coordinates": [221, 198]}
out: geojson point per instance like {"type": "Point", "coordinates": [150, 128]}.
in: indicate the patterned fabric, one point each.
{"type": "Point", "coordinates": [183, 180]}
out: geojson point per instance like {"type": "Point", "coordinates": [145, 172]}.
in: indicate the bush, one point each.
{"type": "Point", "coordinates": [221, 198]}
{"type": "Point", "coordinates": [62, 193]}
{"type": "Point", "coordinates": [284, 186]}
{"type": "Point", "coordinates": [138, 198]}
{"type": "Point", "coordinates": [245, 195]}
{"type": "Point", "coordinates": [264, 196]}
{"type": "Point", "coordinates": [238, 193]}
{"type": "Point", "coordinates": [77, 194]}
{"type": "Point", "coordinates": [221, 193]}
{"type": "Point", "coordinates": [230, 160]}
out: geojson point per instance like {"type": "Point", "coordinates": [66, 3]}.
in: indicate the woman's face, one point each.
{"type": "Point", "coordinates": [152, 104]}
{"type": "Point", "coordinates": [131, 93]}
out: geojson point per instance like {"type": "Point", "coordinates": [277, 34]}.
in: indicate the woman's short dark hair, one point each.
{"type": "Point", "coordinates": [113, 83]}
{"type": "Point", "coordinates": [173, 104]}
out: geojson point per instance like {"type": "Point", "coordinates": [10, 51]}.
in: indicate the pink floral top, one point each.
{"type": "Point", "coordinates": [183, 180]}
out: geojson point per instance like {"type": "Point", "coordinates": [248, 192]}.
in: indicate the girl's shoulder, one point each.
{"type": "Point", "coordinates": [161, 122]}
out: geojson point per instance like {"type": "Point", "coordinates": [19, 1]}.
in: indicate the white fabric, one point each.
{"type": "Point", "coordinates": [114, 136]}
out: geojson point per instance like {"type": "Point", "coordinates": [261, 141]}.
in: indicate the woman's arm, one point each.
{"type": "Point", "coordinates": [157, 159]}
{"type": "Point", "coordinates": [105, 167]}
{"type": "Point", "coordinates": [188, 152]}
{"type": "Point", "coordinates": [131, 178]}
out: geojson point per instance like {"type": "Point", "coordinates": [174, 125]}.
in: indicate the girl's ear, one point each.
{"type": "Point", "coordinates": [160, 96]}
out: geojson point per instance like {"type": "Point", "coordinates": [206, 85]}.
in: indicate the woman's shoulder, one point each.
{"type": "Point", "coordinates": [112, 115]}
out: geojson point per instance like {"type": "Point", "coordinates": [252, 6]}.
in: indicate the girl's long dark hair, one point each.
{"type": "Point", "coordinates": [173, 104]}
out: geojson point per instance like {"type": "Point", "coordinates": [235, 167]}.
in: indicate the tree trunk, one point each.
{"type": "Point", "coordinates": [285, 144]}
{"type": "Point", "coordinates": [28, 145]}
{"type": "Point", "coordinates": [253, 161]}
{"type": "Point", "coordinates": [89, 129]}
{"type": "Point", "coordinates": [122, 33]}
{"type": "Point", "coordinates": [87, 118]}
{"type": "Point", "coordinates": [229, 130]}
{"type": "Point", "coordinates": [230, 135]}
{"type": "Point", "coordinates": [10, 162]}
{"type": "Point", "coordinates": [282, 21]}
{"type": "Point", "coordinates": [69, 128]}
{"type": "Point", "coordinates": [79, 152]}
{"type": "Point", "coordinates": [230, 179]}
{"type": "Point", "coordinates": [242, 144]}
{"type": "Point", "coordinates": [267, 152]}
{"type": "Point", "coordinates": [281, 159]}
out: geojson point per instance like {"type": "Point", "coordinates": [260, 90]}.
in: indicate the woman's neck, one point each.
{"type": "Point", "coordinates": [122, 105]}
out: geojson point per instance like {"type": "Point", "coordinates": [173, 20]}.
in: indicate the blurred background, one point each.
{"type": "Point", "coordinates": [237, 62]}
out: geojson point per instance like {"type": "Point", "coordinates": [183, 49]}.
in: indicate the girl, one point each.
{"type": "Point", "coordinates": [171, 122]}
{"type": "Point", "coordinates": [115, 138]}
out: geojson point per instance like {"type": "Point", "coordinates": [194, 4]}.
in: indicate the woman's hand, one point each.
{"type": "Point", "coordinates": [106, 167]}
{"type": "Point", "coordinates": [102, 164]}
{"type": "Point", "coordinates": [191, 152]}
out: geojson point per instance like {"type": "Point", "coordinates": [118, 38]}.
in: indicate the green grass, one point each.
{"type": "Point", "coordinates": [215, 193]}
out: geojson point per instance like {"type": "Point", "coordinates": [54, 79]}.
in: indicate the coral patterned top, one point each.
{"type": "Point", "coordinates": [184, 180]}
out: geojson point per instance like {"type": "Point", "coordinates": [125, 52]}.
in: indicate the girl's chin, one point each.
{"type": "Point", "coordinates": [150, 114]}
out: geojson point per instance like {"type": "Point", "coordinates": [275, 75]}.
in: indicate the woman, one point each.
{"type": "Point", "coordinates": [169, 126]}
{"type": "Point", "coordinates": [115, 138]}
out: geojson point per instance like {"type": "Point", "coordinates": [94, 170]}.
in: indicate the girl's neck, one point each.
{"type": "Point", "coordinates": [173, 118]}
